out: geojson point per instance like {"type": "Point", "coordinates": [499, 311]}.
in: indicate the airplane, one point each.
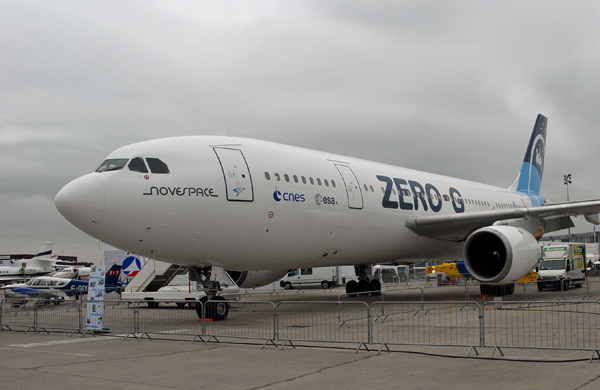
{"type": "Point", "coordinates": [59, 287]}
{"type": "Point", "coordinates": [77, 273]}
{"type": "Point", "coordinates": [47, 287]}
{"type": "Point", "coordinates": [258, 209]}
{"type": "Point", "coordinates": [42, 264]}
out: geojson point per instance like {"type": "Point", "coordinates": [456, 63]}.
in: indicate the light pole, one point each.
{"type": "Point", "coordinates": [567, 181]}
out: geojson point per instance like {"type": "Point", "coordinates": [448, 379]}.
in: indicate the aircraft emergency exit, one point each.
{"type": "Point", "coordinates": [223, 203]}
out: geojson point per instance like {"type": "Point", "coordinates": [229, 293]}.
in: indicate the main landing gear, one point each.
{"type": "Point", "coordinates": [216, 308]}
{"type": "Point", "coordinates": [364, 284]}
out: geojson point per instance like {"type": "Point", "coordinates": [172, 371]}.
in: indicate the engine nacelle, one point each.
{"type": "Point", "coordinates": [500, 254]}
{"type": "Point", "coordinates": [252, 279]}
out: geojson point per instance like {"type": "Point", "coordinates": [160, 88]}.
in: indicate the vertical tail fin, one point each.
{"type": "Point", "coordinates": [112, 275]}
{"type": "Point", "coordinates": [529, 180]}
{"type": "Point", "coordinates": [46, 250]}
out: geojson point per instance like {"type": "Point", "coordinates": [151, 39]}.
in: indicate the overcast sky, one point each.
{"type": "Point", "coordinates": [451, 87]}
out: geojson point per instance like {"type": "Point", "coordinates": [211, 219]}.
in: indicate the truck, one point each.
{"type": "Point", "coordinates": [562, 266]}
{"type": "Point", "coordinates": [311, 277]}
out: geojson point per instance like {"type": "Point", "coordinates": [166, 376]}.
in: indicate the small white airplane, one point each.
{"type": "Point", "coordinates": [48, 287]}
{"type": "Point", "coordinates": [257, 209]}
{"type": "Point", "coordinates": [77, 273]}
{"type": "Point", "coordinates": [42, 264]}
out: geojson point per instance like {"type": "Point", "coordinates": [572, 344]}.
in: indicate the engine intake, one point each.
{"type": "Point", "coordinates": [500, 254]}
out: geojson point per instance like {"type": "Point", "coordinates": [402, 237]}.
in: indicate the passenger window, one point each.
{"type": "Point", "coordinates": [366, 189]}
{"type": "Point", "coordinates": [267, 176]}
{"type": "Point", "coordinates": [326, 182]}
{"type": "Point", "coordinates": [115, 164]}
{"type": "Point", "coordinates": [306, 271]}
{"type": "Point", "coordinates": [303, 180]}
{"type": "Point", "coordinates": [311, 181]}
{"type": "Point", "coordinates": [318, 181]}
{"type": "Point", "coordinates": [286, 177]}
{"type": "Point", "coordinates": [295, 179]}
{"type": "Point", "coordinates": [333, 184]}
{"type": "Point", "coordinates": [277, 177]}
{"type": "Point", "coordinates": [138, 165]}
{"type": "Point", "coordinates": [156, 165]}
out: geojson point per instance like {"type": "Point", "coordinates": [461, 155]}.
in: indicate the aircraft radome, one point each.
{"type": "Point", "coordinates": [257, 209]}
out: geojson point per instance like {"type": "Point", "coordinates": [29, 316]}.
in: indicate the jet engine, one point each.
{"type": "Point", "coordinates": [500, 254]}
{"type": "Point", "coordinates": [252, 279]}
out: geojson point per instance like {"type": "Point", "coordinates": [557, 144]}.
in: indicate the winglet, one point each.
{"type": "Point", "coordinates": [529, 180]}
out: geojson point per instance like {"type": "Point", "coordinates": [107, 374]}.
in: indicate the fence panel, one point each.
{"type": "Point", "coordinates": [427, 323]}
{"type": "Point", "coordinates": [59, 315]}
{"type": "Point", "coordinates": [542, 324]}
{"type": "Point", "coordinates": [341, 322]}
{"type": "Point", "coordinates": [18, 313]}
{"type": "Point", "coordinates": [176, 317]}
{"type": "Point", "coordinates": [117, 316]}
{"type": "Point", "coordinates": [246, 319]}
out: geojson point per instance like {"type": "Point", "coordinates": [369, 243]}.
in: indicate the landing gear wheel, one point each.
{"type": "Point", "coordinates": [216, 310]}
{"type": "Point", "coordinates": [325, 285]}
{"type": "Point", "coordinates": [363, 285]}
{"type": "Point", "coordinates": [375, 287]}
{"type": "Point", "coordinates": [351, 287]}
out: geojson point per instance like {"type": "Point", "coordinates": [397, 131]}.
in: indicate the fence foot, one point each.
{"type": "Point", "coordinates": [197, 337]}
{"type": "Point", "coordinates": [147, 335]}
{"type": "Point", "coordinates": [497, 349]}
{"type": "Point", "coordinates": [381, 347]}
{"type": "Point", "coordinates": [360, 345]}
{"type": "Point", "coordinates": [5, 327]}
{"type": "Point", "coordinates": [88, 331]}
{"type": "Point", "coordinates": [285, 343]}
{"type": "Point", "coordinates": [383, 318]}
{"type": "Point", "coordinates": [597, 352]}
{"type": "Point", "coordinates": [73, 332]}
{"type": "Point", "coordinates": [272, 341]}
{"type": "Point", "coordinates": [30, 328]}
{"type": "Point", "coordinates": [130, 334]}
{"type": "Point", "coordinates": [212, 337]}
{"type": "Point", "coordinates": [344, 323]}
{"type": "Point", "coordinates": [39, 330]}
{"type": "Point", "coordinates": [472, 348]}
{"type": "Point", "coordinates": [422, 313]}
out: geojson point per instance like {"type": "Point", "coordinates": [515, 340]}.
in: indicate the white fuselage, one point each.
{"type": "Point", "coordinates": [252, 205]}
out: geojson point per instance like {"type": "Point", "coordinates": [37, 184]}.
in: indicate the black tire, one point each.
{"type": "Point", "coordinates": [363, 285]}
{"type": "Point", "coordinates": [351, 287]}
{"type": "Point", "coordinates": [288, 286]}
{"type": "Point", "coordinates": [541, 286]}
{"type": "Point", "coordinates": [565, 285]}
{"type": "Point", "coordinates": [375, 286]}
{"type": "Point", "coordinates": [217, 309]}
{"type": "Point", "coordinates": [325, 285]}
{"type": "Point", "coordinates": [152, 305]}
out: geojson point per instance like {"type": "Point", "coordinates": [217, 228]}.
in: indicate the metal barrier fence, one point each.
{"type": "Point", "coordinates": [340, 322]}
{"type": "Point", "coordinates": [434, 323]}
{"type": "Point", "coordinates": [543, 325]}
{"type": "Point", "coordinates": [559, 324]}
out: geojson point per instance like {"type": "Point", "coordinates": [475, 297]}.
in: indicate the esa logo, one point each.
{"type": "Point", "coordinates": [288, 197]}
{"type": "Point", "coordinates": [320, 199]}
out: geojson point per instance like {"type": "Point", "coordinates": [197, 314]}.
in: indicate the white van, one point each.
{"type": "Point", "coordinates": [310, 277]}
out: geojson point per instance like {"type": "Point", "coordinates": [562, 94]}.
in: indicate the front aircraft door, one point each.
{"type": "Point", "coordinates": [355, 200]}
{"type": "Point", "coordinates": [238, 182]}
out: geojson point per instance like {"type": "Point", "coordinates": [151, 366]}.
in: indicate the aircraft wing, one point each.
{"type": "Point", "coordinates": [542, 219]}
{"type": "Point", "coordinates": [38, 293]}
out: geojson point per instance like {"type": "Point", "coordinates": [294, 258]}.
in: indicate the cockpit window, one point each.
{"type": "Point", "coordinates": [156, 165]}
{"type": "Point", "coordinates": [138, 165]}
{"type": "Point", "coordinates": [114, 164]}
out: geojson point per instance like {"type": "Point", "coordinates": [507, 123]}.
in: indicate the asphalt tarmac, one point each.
{"type": "Point", "coordinates": [57, 361]}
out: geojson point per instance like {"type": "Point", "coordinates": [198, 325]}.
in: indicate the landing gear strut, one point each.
{"type": "Point", "coordinates": [215, 307]}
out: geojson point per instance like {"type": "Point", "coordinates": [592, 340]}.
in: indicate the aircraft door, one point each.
{"type": "Point", "coordinates": [355, 199]}
{"type": "Point", "coordinates": [238, 182]}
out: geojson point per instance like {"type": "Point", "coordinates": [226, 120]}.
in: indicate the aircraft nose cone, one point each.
{"type": "Point", "coordinates": [81, 202]}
